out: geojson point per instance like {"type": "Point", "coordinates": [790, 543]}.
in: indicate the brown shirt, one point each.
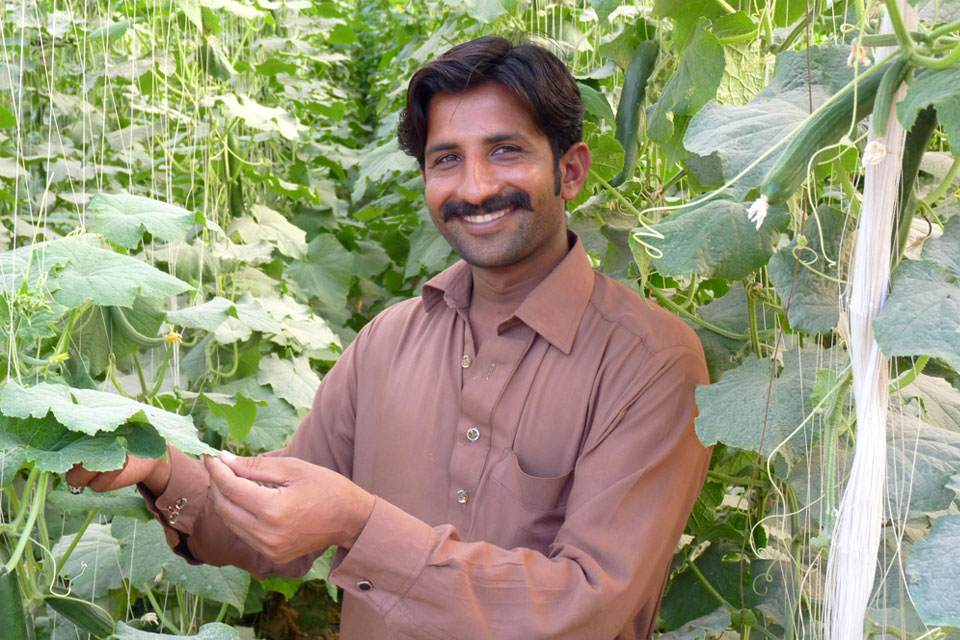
{"type": "Point", "coordinates": [535, 488]}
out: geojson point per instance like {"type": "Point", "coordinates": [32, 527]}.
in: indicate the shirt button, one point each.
{"type": "Point", "coordinates": [364, 585]}
{"type": "Point", "coordinates": [462, 496]}
{"type": "Point", "coordinates": [466, 362]}
{"type": "Point", "coordinates": [473, 434]}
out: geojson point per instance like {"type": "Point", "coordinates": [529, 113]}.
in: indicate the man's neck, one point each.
{"type": "Point", "coordinates": [497, 293]}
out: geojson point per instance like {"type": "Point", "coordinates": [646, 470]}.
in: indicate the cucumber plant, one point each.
{"type": "Point", "coordinates": [203, 202]}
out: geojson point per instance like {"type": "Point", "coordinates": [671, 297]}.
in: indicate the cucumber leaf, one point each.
{"type": "Point", "coordinates": [89, 411]}
{"type": "Point", "coordinates": [717, 240]}
{"type": "Point", "coordinates": [123, 218]}
{"type": "Point", "coordinates": [922, 314]}
{"type": "Point", "coordinates": [932, 569]}
{"type": "Point", "coordinates": [940, 88]}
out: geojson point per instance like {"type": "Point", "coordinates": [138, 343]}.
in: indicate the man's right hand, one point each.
{"type": "Point", "coordinates": [155, 474]}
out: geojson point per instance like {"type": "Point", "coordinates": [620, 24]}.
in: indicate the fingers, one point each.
{"type": "Point", "coordinates": [78, 476]}
{"type": "Point", "coordinates": [275, 471]}
{"type": "Point", "coordinates": [240, 491]}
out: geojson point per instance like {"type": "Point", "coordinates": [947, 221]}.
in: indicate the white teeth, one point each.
{"type": "Point", "coordinates": [486, 217]}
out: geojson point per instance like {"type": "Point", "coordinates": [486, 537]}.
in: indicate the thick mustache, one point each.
{"type": "Point", "coordinates": [514, 199]}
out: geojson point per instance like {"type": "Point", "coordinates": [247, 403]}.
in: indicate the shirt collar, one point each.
{"type": "Point", "coordinates": [553, 309]}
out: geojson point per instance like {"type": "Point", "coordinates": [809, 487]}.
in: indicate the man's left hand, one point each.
{"type": "Point", "coordinates": [285, 507]}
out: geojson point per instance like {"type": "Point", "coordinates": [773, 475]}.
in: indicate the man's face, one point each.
{"type": "Point", "coordinates": [489, 177]}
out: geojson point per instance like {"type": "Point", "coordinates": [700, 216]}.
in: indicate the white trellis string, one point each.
{"type": "Point", "coordinates": [852, 563]}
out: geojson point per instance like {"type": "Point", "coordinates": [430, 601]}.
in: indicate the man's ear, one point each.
{"type": "Point", "coordinates": [574, 166]}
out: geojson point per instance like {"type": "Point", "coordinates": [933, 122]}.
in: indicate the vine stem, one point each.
{"type": "Point", "coordinates": [673, 306]}
{"type": "Point", "coordinates": [944, 185]}
{"type": "Point", "coordinates": [159, 610]}
{"type": "Point", "coordinates": [76, 540]}
{"type": "Point", "coordinates": [899, 28]}
{"type": "Point", "coordinates": [910, 375]}
{"type": "Point", "coordinates": [945, 62]}
{"type": "Point", "coordinates": [39, 497]}
{"type": "Point", "coordinates": [752, 318]}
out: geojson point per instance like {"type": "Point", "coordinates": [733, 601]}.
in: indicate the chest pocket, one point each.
{"type": "Point", "coordinates": [520, 510]}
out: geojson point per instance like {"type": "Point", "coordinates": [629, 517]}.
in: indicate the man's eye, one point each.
{"type": "Point", "coordinates": [505, 150]}
{"type": "Point", "coordinates": [446, 159]}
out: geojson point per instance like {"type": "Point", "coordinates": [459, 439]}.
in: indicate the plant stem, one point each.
{"type": "Point", "coordinates": [752, 318]}
{"type": "Point", "coordinates": [945, 184]}
{"type": "Point", "coordinates": [945, 62]}
{"type": "Point", "coordinates": [910, 375]}
{"type": "Point", "coordinates": [157, 609]}
{"type": "Point", "coordinates": [76, 539]}
{"type": "Point", "coordinates": [673, 306]}
{"type": "Point", "coordinates": [899, 28]}
{"type": "Point", "coordinates": [39, 496]}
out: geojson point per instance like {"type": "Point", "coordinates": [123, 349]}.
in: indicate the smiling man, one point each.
{"type": "Point", "coordinates": [512, 454]}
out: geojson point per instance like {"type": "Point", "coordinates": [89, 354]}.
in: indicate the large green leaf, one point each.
{"type": "Point", "coordinates": [921, 459]}
{"type": "Point", "coordinates": [690, 87]}
{"type": "Point", "coordinates": [932, 568]}
{"type": "Point", "coordinates": [228, 321]}
{"type": "Point", "coordinates": [717, 240]}
{"type": "Point", "coordinates": [125, 502]}
{"type": "Point", "coordinates": [10, 462]}
{"type": "Point", "coordinates": [53, 447]}
{"type": "Point", "coordinates": [276, 419]}
{"type": "Point", "coordinates": [145, 554]}
{"type": "Point", "coordinates": [922, 314]}
{"type": "Point", "coordinates": [298, 324]}
{"type": "Point", "coordinates": [268, 225]}
{"type": "Point", "coordinates": [89, 411]}
{"type": "Point", "coordinates": [739, 135]}
{"type": "Point", "coordinates": [941, 88]}
{"type": "Point", "coordinates": [76, 271]}
{"type": "Point", "coordinates": [292, 379]}
{"type": "Point", "coordinates": [94, 566]}
{"type": "Point", "coordinates": [258, 116]}
{"type": "Point", "coordinates": [327, 271]}
{"type": "Point", "coordinates": [815, 301]}
{"type": "Point", "coordinates": [746, 388]}
{"type": "Point", "coordinates": [107, 278]}
{"type": "Point", "coordinates": [933, 399]}
{"type": "Point", "coordinates": [945, 250]}
{"type": "Point", "coordinates": [123, 218]}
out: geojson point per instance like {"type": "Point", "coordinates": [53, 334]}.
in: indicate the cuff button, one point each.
{"type": "Point", "coordinates": [173, 518]}
{"type": "Point", "coordinates": [364, 585]}
{"type": "Point", "coordinates": [181, 503]}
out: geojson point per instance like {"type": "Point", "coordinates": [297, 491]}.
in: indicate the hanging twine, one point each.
{"type": "Point", "coordinates": [852, 563]}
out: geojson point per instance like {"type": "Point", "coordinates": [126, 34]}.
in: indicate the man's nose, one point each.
{"type": "Point", "coordinates": [478, 182]}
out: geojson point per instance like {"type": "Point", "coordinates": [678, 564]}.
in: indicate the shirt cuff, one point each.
{"type": "Point", "coordinates": [387, 558]}
{"type": "Point", "coordinates": [185, 496]}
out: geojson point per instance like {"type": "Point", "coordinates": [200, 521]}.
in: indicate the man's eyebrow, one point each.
{"type": "Point", "coordinates": [443, 146]}
{"type": "Point", "coordinates": [494, 139]}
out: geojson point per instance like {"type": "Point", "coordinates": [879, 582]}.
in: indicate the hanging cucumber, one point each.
{"type": "Point", "coordinates": [853, 103]}
{"type": "Point", "coordinates": [231, 171]}
{"type": "Point", "coordinates": [130, 332]}
{"type": "Point", "coordinates": [15, 624]}
{"type": "Point", "coordinates": [914, 147]}
{"type": "Point", "coordinates": [628, 110]}
{"type": "Point", "coordinates": [892, 78]}
{"type": "Point", "coordinates": [88, 617]}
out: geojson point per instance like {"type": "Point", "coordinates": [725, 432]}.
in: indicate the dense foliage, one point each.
{"type": "Point", "coordinates": [203, 201]}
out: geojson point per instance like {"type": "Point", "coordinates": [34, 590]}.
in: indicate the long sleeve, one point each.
{"type": "Point", "coordinates": [633, 488]}
{"type": "Point", "coordinates": [200, 536]}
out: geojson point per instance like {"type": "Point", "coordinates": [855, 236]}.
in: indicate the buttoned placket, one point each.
{"type": "Point", "coordinates": [483, 376]}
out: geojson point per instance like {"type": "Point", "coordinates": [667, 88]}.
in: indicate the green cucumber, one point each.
{"type": "Point", "coordinates": [231, 174]}
{"type": "Point", "coordinates": [16, 626]}
{"type": "Point", "coordinates": [825, 128]}
{"type": "Point", "coordinates": [628, 109]}
{"type": "Point", "coordinates": [914, 146]}
{"type": "Point", "coordinates": [130, 332]}
{"type": "Point", "coordinates": [88, 617]}
{"type": "Point", "coordinates": [892, 79]}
